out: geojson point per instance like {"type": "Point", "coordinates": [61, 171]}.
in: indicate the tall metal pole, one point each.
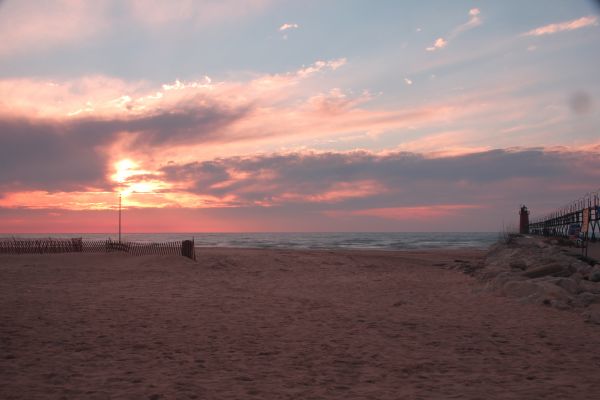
{"type": "Point", "coordinates": [120, 217]}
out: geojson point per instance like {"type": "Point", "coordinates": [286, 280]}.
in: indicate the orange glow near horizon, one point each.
{"type": "Point", "coordinates": [136, 197]}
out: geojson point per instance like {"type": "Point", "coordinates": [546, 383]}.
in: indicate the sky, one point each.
{"type": "Point", "coordinates": [266, 115]}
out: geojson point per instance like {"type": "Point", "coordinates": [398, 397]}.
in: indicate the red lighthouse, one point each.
{"type": "Point", "coordinates": [524, 220]}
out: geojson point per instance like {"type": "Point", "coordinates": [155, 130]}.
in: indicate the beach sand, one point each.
{"type": "Point", "coordinates": [277, 324]}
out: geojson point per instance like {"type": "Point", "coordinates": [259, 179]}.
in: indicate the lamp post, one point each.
{"type": "Point", "coordinates": [120, 196]}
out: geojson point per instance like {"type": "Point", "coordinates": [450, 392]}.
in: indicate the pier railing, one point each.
{"type": "Point", "coordinates": [580, 219]}
{"type": "Point", "coordinates": [78, 245]}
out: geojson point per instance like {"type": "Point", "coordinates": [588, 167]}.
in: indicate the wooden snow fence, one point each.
{"type": "Point", "coordinates": [78, 245]}
{"type": "Point", "coordinates": [40, 246]}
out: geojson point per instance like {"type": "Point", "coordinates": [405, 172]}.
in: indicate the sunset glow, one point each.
{"type": "Point", "coordinates": [301, 123]}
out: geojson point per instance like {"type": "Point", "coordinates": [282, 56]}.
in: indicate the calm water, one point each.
{"type": "Point", "coordinates": [368, 240]}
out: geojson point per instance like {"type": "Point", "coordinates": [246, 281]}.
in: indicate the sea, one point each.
{"type": "Point", "coordinates": [314, 240]}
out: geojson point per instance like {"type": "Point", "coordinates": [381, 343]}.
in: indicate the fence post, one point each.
{"type": "Point", "coordinates": [187, 249]}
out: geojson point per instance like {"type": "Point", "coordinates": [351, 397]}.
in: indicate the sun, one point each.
{"type": "Point", "coordinates": [131, 178]}
{"type": "Point", "coordinates": [124, 169]}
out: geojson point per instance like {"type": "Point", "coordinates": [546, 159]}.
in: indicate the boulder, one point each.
{"type": "Point", "coordinates": [594, 274]}
{"type": "Point", "coordinates": [587, 286]}
{"type": "Point", "coordinates": [490, 273]}
{"type": "Point", "coordinates": [561, 305]}
{"type": "Point", "coordinates": [518, 264]}
{"type": "Point", "coordinates": [568, 284]}
{"type": "Point", "coordinates": [521, 289]}
{"type": "Point", "coordinates": [577, 276]}
{"type": "Point", "coordinates": [583, 268]}
{"type": "Point", "coordinates": [537, 292]}
{"type": "Point", "coordinates": [584, 299]}
{"type": "Point", "coordinates": [554, 269]}
{"type": "Point", "coordinates": [542, 245]}
{"type": "Point", "coordinates": [592, 314]}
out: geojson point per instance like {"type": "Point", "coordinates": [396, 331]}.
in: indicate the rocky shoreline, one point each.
{"type": "Point", "coordinates": [542, 271]}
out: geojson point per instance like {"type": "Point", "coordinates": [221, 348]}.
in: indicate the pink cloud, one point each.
{"type": "Point", "coordinates": [321, 65]}
{"type": "Point", "coordinates": [26, 26]}
{"type": "Point", "coordinates": [200, 13]}
{"type": "Point", "coordinates": [210, 117]}
{"type": "Point", "coordinates": [337, 192]}
{"type": "Point", "coordinates": [572, 25]}
{"type": "Point", "coordinates": [82, 127]}
{"type": "Point", "coordinates": [439, 43]}
{"type": "Point", "coordinates": [105, 97]}
{"type": "Point", "coordinates": [408, 213]}
{"type": "Point", "coordinates": [351, 190]}
{"type": "Point", "coordinates": [55, 99]}
{"type": "Point", "coordinates": [286, 26]}
{"type": "Point", "coordinates": [445, 143]}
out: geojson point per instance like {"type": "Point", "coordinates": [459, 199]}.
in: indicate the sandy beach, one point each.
{"type": "Point", "coordinates": [277, 324]}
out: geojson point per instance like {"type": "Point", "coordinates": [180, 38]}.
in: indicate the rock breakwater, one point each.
{"type": "Point", "coordinates": [538, 270]}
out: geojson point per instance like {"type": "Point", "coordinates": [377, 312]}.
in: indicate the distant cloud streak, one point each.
{"type": "Point", "coordinates": [572, 25]}
{"type": "Point", "coordinates": [286, 27]}
{"type": "Point", "coordinates": [474, 21]}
